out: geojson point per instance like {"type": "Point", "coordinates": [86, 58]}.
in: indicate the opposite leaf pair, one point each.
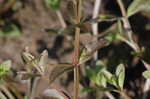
{"type": "Point", "coordinates": [33, 64]}
{"type": "Point", "coordinates": [102, 77]}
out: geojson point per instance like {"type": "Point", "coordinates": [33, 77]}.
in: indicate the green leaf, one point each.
{"type": "Point", "coordinates": [27, 75]}
{"type": "Point", "coordinates": [7, 64]}
{"type": "Point", "coordinates": [93, 72]}
{"type": "Point", "coordinates": [107, 74]}
{"type": "Point", "coordinates": [139, 52]}
{"type": "Point", "coordinates": [100, 63]}
{"type": "Point", "coordinates": [5, 68]}
{"type": "Point", "coordinates": [120, 27]}
{"type": "Point", "coordinates": [10, 30]}
{"type": "Point", "coordinates": [83, 55]}
{"type": "Point", "coordinates": [54, 4]}
{"type": "Point", "coordinates": [92, 89]}
{"type": "Point", "coordinates": [38, 63]}
{"type": "Point", "coordinates": [103, 18]}
{"type": "Point", "coordinates": [88, 89]}
{"type": "Point", "coordinates": [120, 68]}
{"type": "Point", "coordinates": [121, 78]}
{"type": "Point", "coordinates": [113, 81]}
{"type": "Point", "coordinates": [107, 89]}
{"type": "Point", "coordinates": [111, 37]}
{"type": "Point", "coordinates": [58, 70]}
{"type": "Point", "coordinates": [52, 93]}
{"type": "Point", "coordinates": [43, 60]}
{"type": "Point", "coordinates": [106, 16]}
{"type": "Point", "coordinates": [138, 5]}
{"type": "Point", "coordinates": [146, 74]}
{"type": "Point", "coordinates": [114, 33]}
{"type": "Point", "coordinates": [120, 73]}
{"type": "Point", "coordinates": [62, 31]}
{"type": "Point", "coordinates": [101, 80]}
{"type": "Point", "coordinates": [27, 57]}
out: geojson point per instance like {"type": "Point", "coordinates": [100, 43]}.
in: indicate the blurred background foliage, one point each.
{"type": "Point", "coordinates": [39, 25]}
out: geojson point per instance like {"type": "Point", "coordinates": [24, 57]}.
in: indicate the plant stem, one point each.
{"type": "Point", "coordinates": [2, 96]}
{"type": "Point", "coordinates": [32, 84]}
{"type": "Point", "coordinates": [6, 91]}
{"type": "Point", "coordinates": [127, 24]}
{"type": "Point", "coordinates": [109, 95]}
{"type": "Point", "coordinates": [76, 82]}
{"type": "Point", "coordinates": [95, 25]}
{"type": "Point", "coordinates": [132, 43]}
{"type": "Point", "coordinates": [28, 95]}
{"type": "Point", "coordinates": [33, 89]}
{"type": "Point", "coordinates": [146, 89]}
{"type": "Point", "coordinates": [124, 95]}
{"type": "Point", "coordinates": [61, 19]}
{"type": "Point", "coordinates": [77, 48]}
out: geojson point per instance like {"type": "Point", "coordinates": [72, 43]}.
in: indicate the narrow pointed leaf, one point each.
{"type": "Point", "coordinates": [87, 55]}
{"type": "Point", "coordinates": [63, 31]}
{"type": "Point", "coordinates": [54, 4]}
{"type": "Point", "coordinates": [120, 73]}
{"type": "Point", "coordinates": [27, 57]}
{"type": "Point", "coordinates": [138, 5]}
{"type": "Point", "coordinates": [43, 60]}
{"type": "Point", "coordinates": [120, 68]}
{"type": "Point", "coordinates": [121, 78]}
{"type": "Point", "coordinates": [58, 70]}
{"type": "Point", "coordinates": [26, 75]}
{"type": "Point", "coordinates": [55, 94]}
{"type": "Point", "coordinates": [105, 18]}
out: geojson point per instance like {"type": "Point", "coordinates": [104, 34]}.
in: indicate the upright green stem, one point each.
{"type": "Point", "coordinates": [77, 48]}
